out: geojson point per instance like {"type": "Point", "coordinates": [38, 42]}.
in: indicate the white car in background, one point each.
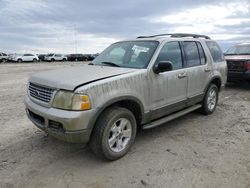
{"type": "Point", "coordinates": [25, 57]}
{"type": "Point", "coordinates": [3, 57]}
{"type": "Point", "coordinates": [55, 57]}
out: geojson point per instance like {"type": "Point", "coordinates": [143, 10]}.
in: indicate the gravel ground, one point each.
{"type": "Point", "coordinates": [192, 151]}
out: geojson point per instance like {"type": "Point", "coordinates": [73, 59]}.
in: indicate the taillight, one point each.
{"type": "Point", "coordinates": [247, 65]}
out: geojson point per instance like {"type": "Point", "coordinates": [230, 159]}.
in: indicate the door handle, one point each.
{"type": "Point", "coordinates": [182, 75]}
{"type": "Point", "coordinates": [207, 69]}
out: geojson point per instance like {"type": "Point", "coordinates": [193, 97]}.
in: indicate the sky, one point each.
{"type": "Point", "coordinates": [81, 26]}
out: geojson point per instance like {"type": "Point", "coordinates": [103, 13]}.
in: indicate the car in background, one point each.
{"type": "Point", "coordinates": [238, 62]}
{"type": "Point", "coordinates": [41, 57]}
{"type": "Point", "coordinates": [88, 57]}
{"type": "Point", "coordinates": [25, 58]}
{"type": "Point", "coordinates": [76, 57]}
{"type": "Point", "coordinates": [3, 57]}
{"type": "Point", "coordinates": [55, 57]}
{"type": "Point", "coordinates": [11, 57]}
{"type": "Point", "coordinates": [95, 55]}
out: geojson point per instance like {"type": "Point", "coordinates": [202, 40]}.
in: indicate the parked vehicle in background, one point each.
{"type": "Point", "coordinates": [25, 58]}
{"type": "Point", "coordinates": [238, 62]}
{"type": "Point", "coordinates": [76, 57]}
{"type": "Point", "coordinates": [11, 57]}
{"type": "Point", "coordinates": [3, 57]}
{"type": "Point", "coordinates": [55, 57]}
{"type": "Point", "coordinates": [41, 57]}
{"type": "Point", "coordinates": [143, 82]}
{"type": "Point", "coordinates": [95, 55]}
{"type": "Point", "coordinates": [80, 57]}
{"type": "Point", "coordinates": [88, 57]}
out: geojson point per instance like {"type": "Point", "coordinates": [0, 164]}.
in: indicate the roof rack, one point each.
{"type": "Point", "coordinates": [177, 35]}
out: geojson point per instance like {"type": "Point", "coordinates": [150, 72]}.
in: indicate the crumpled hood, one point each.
{"type": "Point", "coordinates": [237, 57]}
{"type": "Point", "coordinates": [70, 78]}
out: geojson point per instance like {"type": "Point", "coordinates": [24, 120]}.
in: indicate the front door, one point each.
{"type": "Point", "coordinates": [169, 89]}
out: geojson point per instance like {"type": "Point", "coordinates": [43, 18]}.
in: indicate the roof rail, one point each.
{"type": "Point", "coordinates": [177, 35]}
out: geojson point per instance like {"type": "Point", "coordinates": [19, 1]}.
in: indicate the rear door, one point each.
{"type": "Point", "coordinates": [198, 70]}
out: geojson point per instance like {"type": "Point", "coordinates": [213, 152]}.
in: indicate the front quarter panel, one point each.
{"type": "Point", "coordinates": [127, 86]}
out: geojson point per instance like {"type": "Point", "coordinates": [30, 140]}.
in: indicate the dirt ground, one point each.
{"type": "Point", "coordinates": [192, 151]}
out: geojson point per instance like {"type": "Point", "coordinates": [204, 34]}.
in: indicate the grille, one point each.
{"type": "Point", "coordinates": [41, 93]}
{"type": "Point", "coordinates": [236, 66]}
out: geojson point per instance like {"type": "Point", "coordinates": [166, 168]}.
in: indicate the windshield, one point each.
{"type": "Point", "coordinates": [50, 55]}
{"type": "Point", "coordinates": [129, 54]}
{"type": "Point", "coordinates": [239, 50]}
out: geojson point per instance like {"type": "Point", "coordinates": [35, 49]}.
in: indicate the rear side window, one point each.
{"type": "Point", "coordinates": [215, 51]}
{"type": "Point", "coordinates": [171, 51]}
{"type": "Point", "coordinates": [192, 54]}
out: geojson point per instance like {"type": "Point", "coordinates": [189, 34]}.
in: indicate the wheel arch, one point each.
{"type": "Point", "coordinates": [215, 80]}
{"type": "Point", "coordinates": [131, 103]}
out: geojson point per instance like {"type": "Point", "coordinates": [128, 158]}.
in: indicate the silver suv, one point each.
{"type": "Point", "coordinates": [140, 83]}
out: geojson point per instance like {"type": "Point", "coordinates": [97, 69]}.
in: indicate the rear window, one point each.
{"type": "Point", "coordinates": [215, 51]}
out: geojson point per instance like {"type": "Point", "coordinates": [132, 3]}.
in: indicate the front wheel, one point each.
{"type": "Point", "coordinates": [34, 60]}
{"type": "Point", "coordinates": [114, 133]}
{"type": "Point", "coordinates": [210, 100]}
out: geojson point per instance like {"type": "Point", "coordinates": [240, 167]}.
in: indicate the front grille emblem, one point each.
{"type": "Point", "coordinates": [37, 93]}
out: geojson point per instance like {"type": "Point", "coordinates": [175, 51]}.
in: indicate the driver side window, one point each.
{"type": "Point", "coordinates": [171, 51]}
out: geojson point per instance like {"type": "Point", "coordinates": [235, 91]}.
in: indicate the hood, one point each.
{"type": "Point", "coordinates": [237, 57]}
{"type": "Point", "coordinates": [70, 78]}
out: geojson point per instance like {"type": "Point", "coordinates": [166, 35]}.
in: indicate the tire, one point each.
{"type": "Point", "coordinates": [19, 60]}
{"type": "Point", "coordinates": [108, 133]}
{"type": "Point", "coordinates": [210, 100]}
{"type": "Point", "coordinates": [52, 60]}
{"type": "Point", "coordinates": [35, 60]}
{"type": "Point", "coordinates": [4, 60]}
{"type": "Point", "coordinates": [64, 59]}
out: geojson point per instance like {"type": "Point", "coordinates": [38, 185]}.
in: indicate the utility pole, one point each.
{"type": "Point", "coordinates": [75, 39]}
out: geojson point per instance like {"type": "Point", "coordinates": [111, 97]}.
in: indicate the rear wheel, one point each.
{"type": "Point", "coordinates": [34, 60]}
{"type": "Point", "coordinates": [4, 60]}
{"type": "Point", "coordinates": [52, 60]}
{"type": "Point", "coordinates": [210, 100]}
{"type": "Point", "coordinates": [114, 133]}
{"type": "Point", "coordinates": [19, 60]}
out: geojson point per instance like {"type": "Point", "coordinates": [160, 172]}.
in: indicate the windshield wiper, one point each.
{"type": "Point", "coordinates": [243, 54]}
{"type": "Point", "coordinates": [110, 63]}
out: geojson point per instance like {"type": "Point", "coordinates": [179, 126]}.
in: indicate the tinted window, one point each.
{"type": "Point", "coordinates": [202, 54]}
{"type": "Point", "coordinates": [171, 52]}
{"type": "Point", "coordinates": [192, 54]}
{"type": "Point", "coordinates": [215, 51]}
{"type": "Point", "coordinates": [4, 54]}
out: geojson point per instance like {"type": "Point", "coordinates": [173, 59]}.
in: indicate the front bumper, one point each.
{"type": "Point", "coordinates": [70, 126]}
{"type": "Point", "coordinates": [238, 76]}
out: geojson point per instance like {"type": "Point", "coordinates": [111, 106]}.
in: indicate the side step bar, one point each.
{"type": "Point", "coordinates": [171, 117]}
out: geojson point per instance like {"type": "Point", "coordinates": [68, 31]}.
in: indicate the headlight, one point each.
{"type": "Point", "coordinates": [70, 101]}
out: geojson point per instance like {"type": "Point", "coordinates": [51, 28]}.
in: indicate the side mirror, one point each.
{"type": "Point", "coordinates": [163, 66]}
